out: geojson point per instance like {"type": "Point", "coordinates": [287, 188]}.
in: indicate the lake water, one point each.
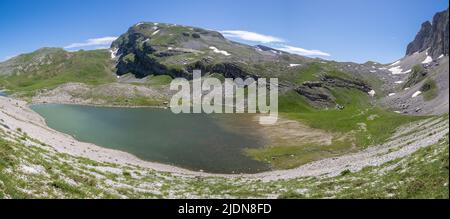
{"type": "Point", "coordinates": [2, 94]}
{"type": "Point", "coordinates": [212, 143]}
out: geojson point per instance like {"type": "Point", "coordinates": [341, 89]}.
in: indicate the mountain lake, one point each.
{"type": "Point", "coordinates": [201, 142]}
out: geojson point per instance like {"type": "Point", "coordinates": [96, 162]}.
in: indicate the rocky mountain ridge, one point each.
{"type": "Point", "coordinates": [433, 36]}
{"type": "Point", "coordinates": [422, 75]}
{"type": "Point", "coordinates": [150, 48]}
{"type": "Point", "coordinates": [155, 48]}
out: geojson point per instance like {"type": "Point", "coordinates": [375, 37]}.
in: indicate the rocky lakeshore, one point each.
{"type": "Point", "coordinates": [16, 115]}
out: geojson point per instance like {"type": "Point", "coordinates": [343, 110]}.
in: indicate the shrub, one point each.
{"type": "Point", "coordinates": [417, 75]}
{"type": "Point", "coordinates": [345, 172]}
{"type": "Point", "coordinates": [429, 89]}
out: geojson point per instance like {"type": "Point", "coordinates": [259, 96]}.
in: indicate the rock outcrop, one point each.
{"type": "Point", "coordinates": [149, 48]}
{"type": "Point", "coordinates": [346, 83]}
{"type": "Point", "coordinates": [434, 36]}
{"type": "Point", "coordinates": [319, 92]}
{"type": "Point", "coordinates": [168, 49]}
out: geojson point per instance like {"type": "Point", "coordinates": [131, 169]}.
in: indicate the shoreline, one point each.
{"type": "Point", "coordinates": [18, 114]}
{"type": "Point", "coordinates": [97, 105]}
{"type": "Point", "coordinates": [33, 123]}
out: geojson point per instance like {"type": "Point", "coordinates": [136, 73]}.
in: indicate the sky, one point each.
{"type": "Point", "coordinates": [341, 30]}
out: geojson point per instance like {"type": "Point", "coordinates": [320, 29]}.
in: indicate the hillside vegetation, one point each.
{"type": "Point", "coordinates": [49, 67]}
{"type": "Point", "coordinates": [355, 127]}
{"type": "Point", "coordinates": [32, 169]}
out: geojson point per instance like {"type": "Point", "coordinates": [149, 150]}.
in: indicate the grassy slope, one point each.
{"type": "Point", "coordinates": [424, 174]}
{"type": "Point", "coordinates": [159, 80]}
{"type": "Point", "coordinates": [135, 100]}
{"type": "Point", "coordinates": [357, 126]}
{"type": "Point", "coordinates": [90, 67]}
{"type": "Point", "coordinates": [429, 89]}
{"type": "Point", "coordinates": [59, 67]}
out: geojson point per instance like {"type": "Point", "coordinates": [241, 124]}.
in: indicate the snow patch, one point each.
{"type": "Point", "coordinates": [154, 33]}
{"type": "Point", "coordinates": [427, 60]}
{"type": "Point", "coordinates": [139, 24]}
{"type": "Point", "coordinates": [398, 70]}
{"type": "Point", "coordinates": [417, 93]}
{"type": "Point", "coordinates": [373, 71]}
{"type": "Point", "coordinates": [371, 93]}
{"type": "Point", "coordinates": [391, 94]}
{"type": "Point", "coordinates": [214, 49]}
{"type": "Point", "coordinates": [395, 63]}
{"type": "Point", "coordinates": [441, 56]}
{"type": "Point", "coordinates": [398, 82]}
{"type": "Point", "coordinates": [113, 53]}
{"type": "Point", "coordinates": [293, 65]}
{"type": "Point", "coordinates": [276, 52]}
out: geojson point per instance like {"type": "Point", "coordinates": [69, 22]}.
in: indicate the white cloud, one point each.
{"type": "Point", "coordinates": [97, 42]}
{"type": "Point", "coordinates": [267, 39]}
{"type": "Point", "coordinates": [251, 36]}
{"type": "Point", "coordinates": [301, 51]}
{"type": "Point", "coordinates": [7, 58]}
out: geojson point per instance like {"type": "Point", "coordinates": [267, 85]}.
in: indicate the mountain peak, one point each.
{"type": "Point", "coordinates": [150, 48]}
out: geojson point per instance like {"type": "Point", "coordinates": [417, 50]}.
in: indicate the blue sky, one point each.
{"type": "Point", "coordinates": [342, 30]}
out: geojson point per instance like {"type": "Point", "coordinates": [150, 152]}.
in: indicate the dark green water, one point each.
{"type": "Point", "coordinates": [193, 141]}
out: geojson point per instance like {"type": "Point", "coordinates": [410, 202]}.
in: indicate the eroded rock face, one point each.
{"type": "Point", "coordinates": [440, 37]}
{"type": "Point", "coordinates": [346, 83]}
{"type": "Point", "coordinates": [318, 92]}
{"type": "Point", "coordinates": [227, 69]}
{"type": "Point", "coordinates": [319, 96]}
{"type": "Point", "coordinates": [433, 35]}
{"type": "Point", "coordinates": [138, 57]}
{"type": "Point", "coordinates": [167, 49]}
{"type": "Point", "coordinates": [422, 40]}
